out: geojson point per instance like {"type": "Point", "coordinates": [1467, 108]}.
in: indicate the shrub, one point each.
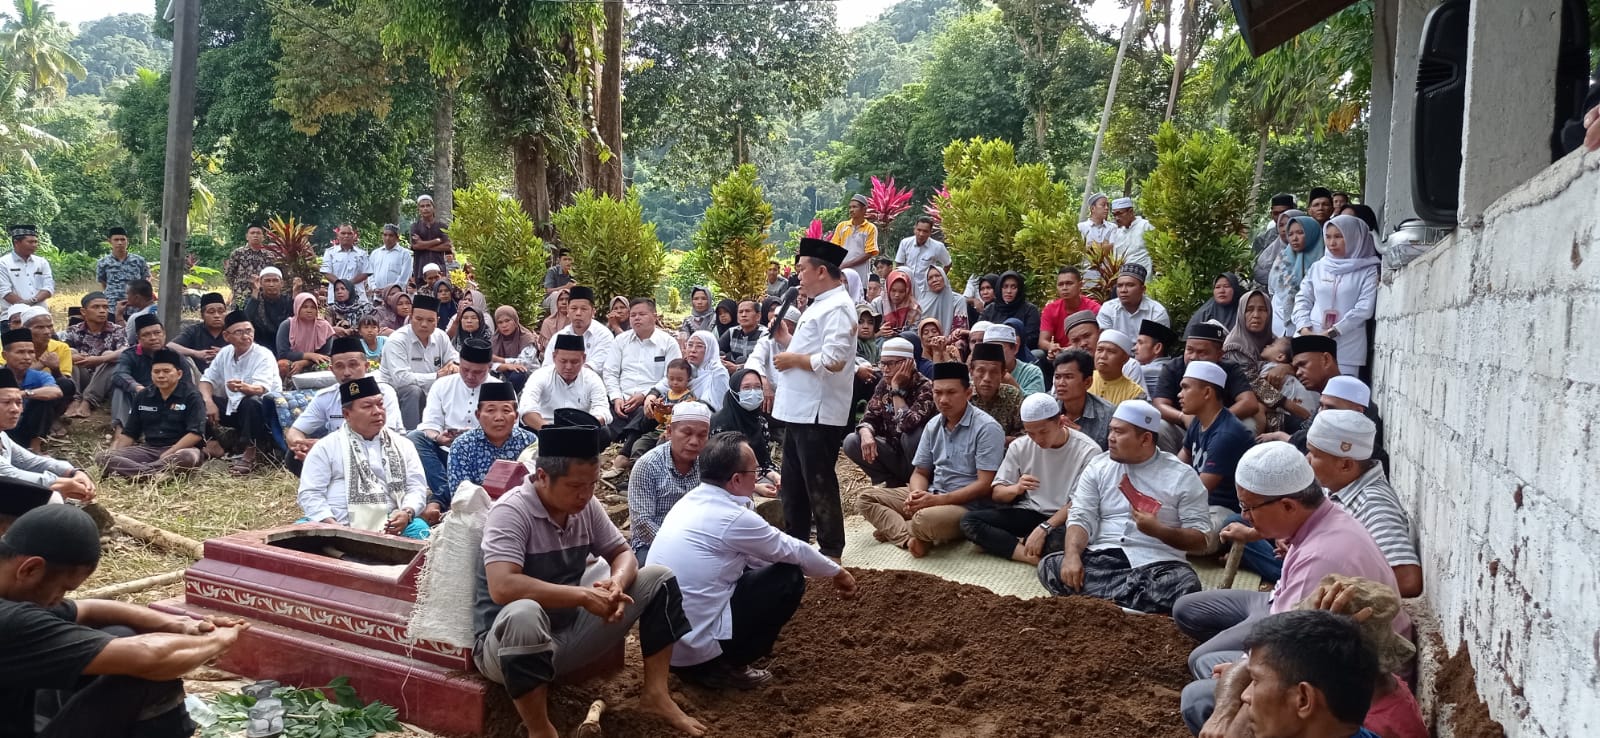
{"type": "Point", "coordinates": [1197, 198]}
{"type": "Point", "coordinates": [494, 232]}
{"type": "Point", "coordinates": [990, 196]}
{"type": "Point", "coordinates": [68, 267]}
{"type": "Point", "coordinates": [1048, 241]}
{"type": "Point", "coordinates": [613, 249]}
{"type": "Point", "coordinates": [731, 242]}
{"type": "Point", "coordinates": [291, 241]}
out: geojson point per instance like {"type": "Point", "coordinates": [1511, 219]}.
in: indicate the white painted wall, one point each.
{"type": "Point", "coordinates": [1488, 377]}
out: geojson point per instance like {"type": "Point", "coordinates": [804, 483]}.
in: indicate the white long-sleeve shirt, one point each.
{"type": "Point", "coordinates": [452, 405]}
{"type": "Point", "coordinates": [598, 347]}
{"type": "Point", "coordinates": [256, 366]}
{"type": "Point", "coordinates": [324, 414]}
{"type": "Point", "coordinates": [406, 362]}
{"type": "Point", "coordinates": [1130, 244]}
{"type": "Point", "coordinates": [325, 482]}
{"type": "Point", "coordinates": [1101, 510]}
{"type": "Point", "coordinates": [1352, 298]}
{"type": "Point", "coordinates": [17, 462]}
{"type": "Point", "coordinates": [708, 540]}
{"type": "Point", "coordinates": [546, 392]}
{"type": "Point", "coordinates": [389, 267]}
{"type": "Point", "coordinates": [1112, 315]}
{"type": "Point", "coordinates": [827, 332]}
{"type": "Point", "coordinates": [639, 363]}
{"type": "Point", "coordinates": [25, 276]}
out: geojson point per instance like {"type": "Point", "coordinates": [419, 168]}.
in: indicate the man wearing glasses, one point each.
{"type": "Point", "coordinates": [235, 387]}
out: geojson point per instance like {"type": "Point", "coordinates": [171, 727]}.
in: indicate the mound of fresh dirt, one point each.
{"type": "Point", "coordinates": [915, 655]}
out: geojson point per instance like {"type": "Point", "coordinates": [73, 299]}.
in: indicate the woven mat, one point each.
{"type": "Point", "coordinates": [963, 562]}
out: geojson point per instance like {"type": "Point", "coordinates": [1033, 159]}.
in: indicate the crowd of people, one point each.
{"type": "Point", "coordinates": [1098, 443]}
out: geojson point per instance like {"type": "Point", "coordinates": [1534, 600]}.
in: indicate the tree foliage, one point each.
{"type": "Point", "coordinates": [731, 244]}
{"type": "Point", "coordinates": [1197, 198]}
{"type": "Point", "coordinates": [493, 232]}
{"type": "Point", "coordinates": [613, 249]}
{"type": "Point", "coordinates": [991, 199]}
{"type": "Point", "coordinates": [34, 44]}
{"type": "Point", "coordinates": [113, 49]}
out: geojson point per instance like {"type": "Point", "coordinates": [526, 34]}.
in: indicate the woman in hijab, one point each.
{"type": "Point", "coordinates": [942, 303]}
{"type": "Point", "coordinates": [900, 309]}
{"type": "Point", "coordinates": [1340, 292]}
{"type": "Point", "coordinates": [468, 324]}
{"type": "Point", "coordinates": [1250, 336]}
{"type": "Point", "coordinates": [922, 352]}
{"type": "Point", "coordinates": [1268, 258]}
{"type": "Point", "coordinates": [448, 298]}
{"type": "Point", "coordinates": [305, 339]}
{"type": "Point", "coordinates": [981, 295]}
{"type": "Point", "coordinates": [727, 315]}
{"type": "Point", "coordinates": [1223, 306]}
{"type": "Point", "coordinates": [1011, 301]}
{"type": "Point", "coordinates": [742, 411]}
{"type": "Point", "coordinates": [616, 316]}
{"type": "Point", "coordinates": [391, 315]}
{"type": "Point", "coordinates": [555, 321]}
{"type": "Point", "coordinates": [516, 350]}
{"type": "Point", "coordinates": [347, 309]}
{"type": "Point", "coordinates": [701, 315]}
{"type": "Point", "coordinates": [710, 383]}
{"type": "Point", "coordinates": [1304, 249]}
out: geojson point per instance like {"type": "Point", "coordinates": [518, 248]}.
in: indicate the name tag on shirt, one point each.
{"type": "Point", "coordinates": [661, 358]}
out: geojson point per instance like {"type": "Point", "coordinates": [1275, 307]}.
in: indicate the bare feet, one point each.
{"type": "Point", "coordinates": [917, 547]}
{"type": "Point", "coordinates": [880, 536]}
{"type": "Point", "coordinates": [663, 706]}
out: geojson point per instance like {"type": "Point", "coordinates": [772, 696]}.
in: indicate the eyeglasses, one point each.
{"type": "Point", "coordinates": [1246, 509]}
{"type": "Point", "coordinates": [748, 471]}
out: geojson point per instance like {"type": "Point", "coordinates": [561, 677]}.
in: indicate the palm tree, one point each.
{"type": "Point", "coordinates": [18, 137]}
{"type": "Point", "coordinates": [35, 44]}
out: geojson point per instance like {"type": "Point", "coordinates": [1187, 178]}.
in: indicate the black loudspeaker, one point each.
{"type": "Point", "coordinates": [1437, 119]}
{"type": "Point", "coordinates": [1572, 75]}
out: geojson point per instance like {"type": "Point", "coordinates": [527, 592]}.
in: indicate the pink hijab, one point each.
{"type": "Point", "coordinates": [308, 336]}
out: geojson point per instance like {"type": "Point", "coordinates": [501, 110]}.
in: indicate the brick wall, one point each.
{"type": "Point", "coordinates": [1488, 376]}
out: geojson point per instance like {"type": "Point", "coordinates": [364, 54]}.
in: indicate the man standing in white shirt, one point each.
{"type": "Point", "coordinates": [597, 338]}
{"type": "Point", "coordinates": [639, 363]}
{"type": "Point", "coordinates": [1132, 307]}
{"type": "Point", "coordinates": [383, 489]}
{"type": "Point", "coordinates": [1097, 231]}
{"type": "Point", "coordinates": [24, 278]}
{"type": "Point", "coordinates": [919, 251]}
{"type": "Point", "coordinates": [389, 265]}
{"type": "Point", "coordinates": [452, 409]}
{"type": "Point", "coordinates": [1130, 234]}
{"type": "Point", "coordinates": [741, 578]}
{"type": "Point", "coordinates": [241, 377]}
{"type": "Point", "coordinates": [416, 356]}
{"type": "Point", "coordinates": [814, 386]}
{"type": "Point", "coordinates": [565, 383]}
{"type": "Point", "coordinates": [347, 261]}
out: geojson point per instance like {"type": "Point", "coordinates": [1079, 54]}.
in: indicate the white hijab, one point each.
{"type": "Point", "coordinates": [710, 384]}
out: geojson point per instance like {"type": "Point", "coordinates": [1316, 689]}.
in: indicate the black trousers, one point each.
{"type": "Point", "coordinates": [248, 418]}
{"type": "Point", "coordinates": [38, 416]}
{"type": "Point", "coordinates": [997, 529]}
{"type": "Point", "coordinates": [810, 491]}
{"type": "Point", "coordinates": [113, 706]}
{"type": "Point", "coordinates": [763, 602]}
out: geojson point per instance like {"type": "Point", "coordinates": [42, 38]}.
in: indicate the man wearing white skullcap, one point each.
{"type": "Point", "coordinates": [430, 244]}
{"type": "Point", "coordinates": [1129, 233]}
{"type": "Point", "coordinates": [1213, 443]}
{"type": "Point", "coordinates": [1339, 447]}
{"type": "Point", "coordinates": [1136, 512]}
{"type": "Point", "coordinates": [1280, 497]}
{"type": "Point", "coordinates": [1029, 377]}
{"type": "Point", "coordinates": [1316, 366]}
{"type": "Point", "coordinates": [1111, 382]}
{"type": "Point", "coordinates": [1033, 486]}
{"type": "Point", "coordinates": [664, 474]}
{"type": "Point", "coordinates": [267, 308]}
{"type": "Point", "coordinates": [886, 439]}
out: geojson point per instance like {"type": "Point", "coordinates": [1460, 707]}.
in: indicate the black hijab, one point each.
{"type": "Point", "coordinates": [1226, 314]}
{"type": "Point", "coordinates": [733, 417]}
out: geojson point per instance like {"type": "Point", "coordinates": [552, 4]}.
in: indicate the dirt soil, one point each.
{"type": "Point", "coordinates": [1456, 688]}
{"type": "Point", "coordinates": [920, 656]}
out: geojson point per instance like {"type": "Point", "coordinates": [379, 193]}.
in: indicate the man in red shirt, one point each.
{"type": "Point", "coordinates": [1070, 299]}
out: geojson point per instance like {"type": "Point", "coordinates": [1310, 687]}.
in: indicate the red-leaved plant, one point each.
{"type": "Point", "coordinates": [932, 210]}
{"type": "Point", "coordinates": [886, 202]}
{"type": "Point", "coordinates": [290, 241]}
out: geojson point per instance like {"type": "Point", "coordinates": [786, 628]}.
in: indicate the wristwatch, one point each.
{"type": "Point", "coordinates": [1333, 332]}
{"type": "Point", "coordinates": [1045, 526]}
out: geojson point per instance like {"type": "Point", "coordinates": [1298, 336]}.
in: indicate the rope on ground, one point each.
{"type": "Point", "coordinates": [126, 588]}
{"type": "Point", "coordinates": [159, 538]}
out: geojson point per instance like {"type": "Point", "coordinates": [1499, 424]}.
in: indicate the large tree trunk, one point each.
{"type": "Point", "coordinates": [528, 170]}
{"type": "Point", "coordinates": [608, 113]}
{"type": "Point", "coordinates": [444, 149]}
{"type": "Point", "coordinates": [1263, 132]}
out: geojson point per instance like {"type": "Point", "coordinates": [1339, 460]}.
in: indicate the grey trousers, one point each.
{"type": "Point", "coordinates": [412, 398]}
{"type": "Point", "coordinates": [95, 383]}
{"type": "Point", "coordinates": [893, 466]}
{"type": "Point", "coordinates": [144, 460]}
{"type": "Point", "coordinates": [522, 652]}
{"type": "Point", "coordinates": [1220, 619]}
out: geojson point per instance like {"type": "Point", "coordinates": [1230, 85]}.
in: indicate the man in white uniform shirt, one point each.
{"type": "Point", "coordinates": [346, 260]}
{"type": "Point", "coordinates": [919, 251]}
{"type": "Point", "coordinates": [741, 578]}
{"type": "Point", "coordinates": [1130, 232]}
{"type": "Point", "coordinates": [598, 341]}
{"type": "Point", "coordinates": [452, 410]}
{"type": "Point", "coordinates": [239, 379]}
{"type": "Point", "coordinates": [325, 414]}
{"type": "Point", "coordinates": [390, 264]}
{"type": "Point", "coordinates": [364, 475]}
{"type": "Point", "coordinates": [1097, 230]}
{"type": "Point", "coordinates": [814, 385]}
{"type": "Point", "coordinates": [25, 279]}
{"type": "Point", "coordinates": [416, 356]}
{"type": "Point", "coordinates": [639, 362]}
{"type": "Point", "coordinates": [1132, 307]}
{"type": "Point", "coordinates": [566, 383]}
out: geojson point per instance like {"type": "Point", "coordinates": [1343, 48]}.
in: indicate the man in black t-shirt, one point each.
{"type": "Point", "coordinates": [1203, 343]}
{"type": "Point", "coordinates": [95, 667]}
{"type": "Point", "coordinates": [201, 341]}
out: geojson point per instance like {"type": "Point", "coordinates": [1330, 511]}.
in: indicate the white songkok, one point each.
{"type": "Point", "coordinates": [1343, 433]}
{"type": "Point", "coordinates": [424, 198]}
{"type": "Point", "coordinates": [1000, 333]}
{"type": "Point", "coordinates": [1117, 338]}
{"type": "Point", "coordinates": [271, 272]}
{"type": "Point", "coordinates": [1122, 202]}
{"type": "Point", "coordinates": [685, 412]}
{"type": "Point", "coordinates": [981, 326]}
{"type": "Point", "coordinates": [1273, 469]}
{"type": "Point", "coordinates": [430, 268]}
{"type": "Point", "coordinates": [1205, 371]}
{"type": "Point", "coordinates": [1139, 414]}
{"type": "Point", "coordinates": [898, 348]}
{"type": "Point", "coordinates": [1040, 406]}
{"type": "Point", "coordinates": [792, 314]}
{"type": "Point", "coordinates": [16, 311]}
{"type": "Point", "coordinates": [34, 311]}
{"type": "Point", "coordinates": [1349, 389]}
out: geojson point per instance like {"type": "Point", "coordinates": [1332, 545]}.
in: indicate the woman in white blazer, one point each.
{"type": "Point", "coordinates": [1339, 292]}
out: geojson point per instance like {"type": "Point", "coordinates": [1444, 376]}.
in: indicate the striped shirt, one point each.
{"type": "Point", "coordinates": [520, 531]}
{"type": "Point", "coordinates": [1373, 502]}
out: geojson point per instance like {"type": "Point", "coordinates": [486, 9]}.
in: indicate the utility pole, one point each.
{"type": "Point", "coordinates": [175, 190]}
{"type": "Point", "coordinates": [1105, 114]}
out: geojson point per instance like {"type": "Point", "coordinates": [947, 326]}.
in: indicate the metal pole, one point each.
{"type": "Point", "coordinates": [175, 191]}
{"type": "Point", "coordinates": [1105, 114]}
